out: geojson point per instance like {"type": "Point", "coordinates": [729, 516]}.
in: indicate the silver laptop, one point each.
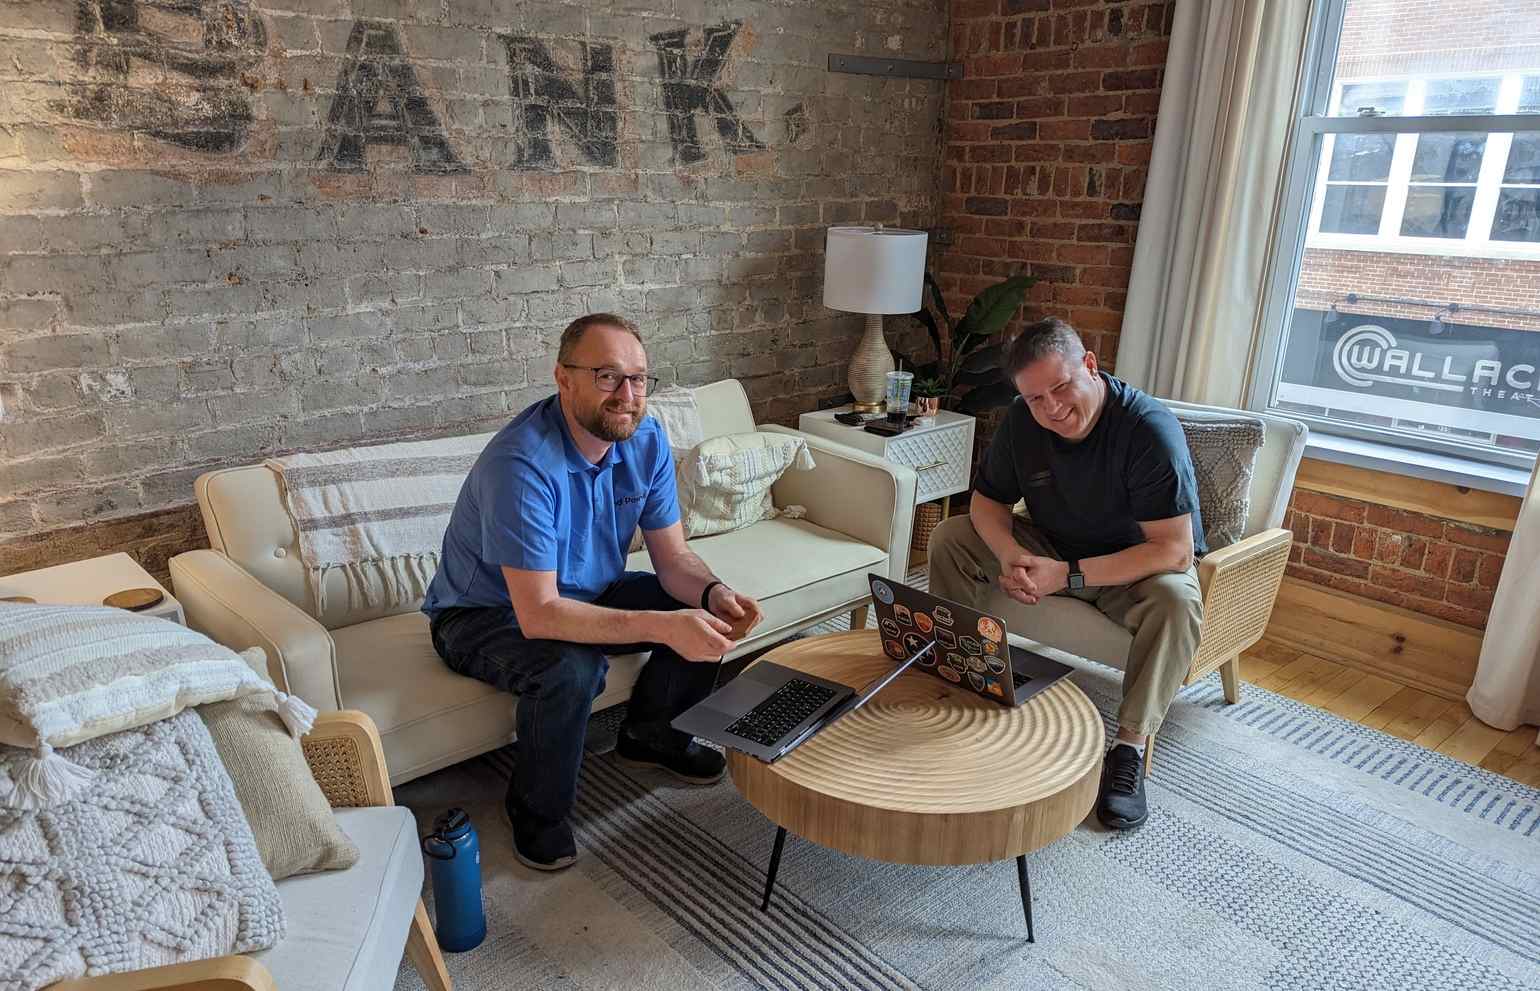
{"type": "Point", "coordinates": [770, 709]}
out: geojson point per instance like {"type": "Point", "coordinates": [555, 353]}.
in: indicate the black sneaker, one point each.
{"type": "Point", "coordinates": [1120, 803]}
{"type": "Point", "coordinates": [545, 848]}
{"type": "Point", "coordinates": [692, 763]}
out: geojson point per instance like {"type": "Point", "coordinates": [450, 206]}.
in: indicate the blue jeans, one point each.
{"type": "Point", "coordinates": [557, 682]}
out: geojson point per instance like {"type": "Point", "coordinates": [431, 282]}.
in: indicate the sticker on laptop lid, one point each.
{"type": "Point", "coordinates": [943, 615]}
{"type": "Point", "coordinates": [995, 664]}
{"type": "Point", "coordinates": [970, 645]}
{"type": "Point", "coordinates": [912, 644]}
{"type": "Point", "coordinates": [883, 593]}
{"type": "Point", "coordinates": [976, 680]}
{"type": "Point", "coordinates": [894, 649]}
{"type": "Point", "coordinates": [945, 637]}
{"type": "Point", "coordinates": [988, 628]}
{"type": "Point", "coordinates": [923, 623]}
{"type": "Point", "coordinates": [902, 612]}
{"type": "Point", "coordinates": [889, 628]}
{"type": "Point", "coordinates": [950, 674]}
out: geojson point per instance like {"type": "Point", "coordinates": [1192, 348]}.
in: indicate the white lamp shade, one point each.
{"type": "Point", "coordinates": [874, 270]}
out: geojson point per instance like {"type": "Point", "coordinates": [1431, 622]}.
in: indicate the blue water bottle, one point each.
{"type": "Point", "coordinates": [454, 859]}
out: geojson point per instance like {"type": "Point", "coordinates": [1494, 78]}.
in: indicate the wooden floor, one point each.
{"type": "Point", "coordinates": [1427, 720]}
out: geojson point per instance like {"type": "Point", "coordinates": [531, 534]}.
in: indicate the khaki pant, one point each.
{"type": "Point", "coordinates": [1163, 612]}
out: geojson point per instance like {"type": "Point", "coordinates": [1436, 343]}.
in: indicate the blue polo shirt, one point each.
{"type": "Point", "coordinates": [533, 502]}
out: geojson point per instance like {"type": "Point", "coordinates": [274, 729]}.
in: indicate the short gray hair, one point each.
{"type": "Point", "coordinates": [1040, 339]}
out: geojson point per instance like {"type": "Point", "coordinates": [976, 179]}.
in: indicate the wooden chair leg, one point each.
{"type": "Point", "coordinates": [422, 949]}
{"type": "Point", "coordinates": [1149, 754]}
{"type": "Point", "coordinates": [858, 618]}
{"type": "Point", "coordinates": [1230, 676]}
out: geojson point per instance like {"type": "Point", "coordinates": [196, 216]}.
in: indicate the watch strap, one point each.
{"type": "Point", "coordinates": [705, 595]}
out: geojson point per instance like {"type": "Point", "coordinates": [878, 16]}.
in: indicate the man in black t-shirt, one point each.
{"type": "Point", "coordinates": [1111, 519]}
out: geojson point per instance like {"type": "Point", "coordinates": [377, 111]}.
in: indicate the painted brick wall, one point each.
{"type": "Point", "coordinates": [1048, 143]}
{"type": "Point", "coordinates": [229, 230]}
{"type": "Point", "coordinates": [1435, 566]}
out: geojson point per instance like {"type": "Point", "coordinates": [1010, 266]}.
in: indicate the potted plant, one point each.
{"type": "Point", "coordinates": [927, 395]}
{"type": "Point", "coordinates": [966, 374]}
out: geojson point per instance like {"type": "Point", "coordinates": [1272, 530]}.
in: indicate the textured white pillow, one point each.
{"type": "Point", "coordinates": [724, 483]}
{"type": "Point", "coordinates": [73, 673]}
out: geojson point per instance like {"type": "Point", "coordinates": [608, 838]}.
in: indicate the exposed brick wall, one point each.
{"type": "Point", "coordinates": [1437, 567]}
{"type": "Point", "coordinates": [1395, 37]}
{"type": "Point", "coordinates": [289, 228]}
{"type": "Point", "coordinates": [1048, 143]}
{"type": "Point", "coordinates": [1327, 274]}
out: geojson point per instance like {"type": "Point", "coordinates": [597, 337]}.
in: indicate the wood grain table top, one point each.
{"type": "Point", "coordinates": [926, 772]}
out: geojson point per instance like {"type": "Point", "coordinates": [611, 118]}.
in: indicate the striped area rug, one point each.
{"type": "Point", "coordinates": [1286, 849]}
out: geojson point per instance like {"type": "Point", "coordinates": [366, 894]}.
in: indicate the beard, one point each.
{"type": "Point", "coordinates": [613, 421]}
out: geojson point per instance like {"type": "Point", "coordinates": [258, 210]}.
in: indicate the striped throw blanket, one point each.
{"type": "Point", "coordinates": [376, 515]}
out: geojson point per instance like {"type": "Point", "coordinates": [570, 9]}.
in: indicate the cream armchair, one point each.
{"type": "Point", "coordinates": [248, 590]}
{"type": "Point", "coordinates": [346, 929]}
{"type": "Point", "coordinates": [1240, 582]}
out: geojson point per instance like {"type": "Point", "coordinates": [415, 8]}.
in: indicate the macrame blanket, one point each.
{"type": "Point", "coordinates": [376, 514]}
{"type": "Point", "coordinates": [153, 865]}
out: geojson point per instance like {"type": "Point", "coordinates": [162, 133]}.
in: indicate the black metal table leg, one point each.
{"type": "Point", "coordinates": [1026, 893]}
{"type": "Point", "coordinates": [775, 865]}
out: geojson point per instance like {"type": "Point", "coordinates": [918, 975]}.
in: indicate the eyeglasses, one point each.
{"type": "Point", "coordinates": [608, 379]}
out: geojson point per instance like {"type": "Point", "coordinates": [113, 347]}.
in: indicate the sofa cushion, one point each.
{"type": "Point", "coordinates": [724, 482]}
{"type": "Point", "coordinates": [795, 569]}
{"type": "Point", "coordinates": [388, 668]}
{"type": "Point", "coordinates": [347, 929]}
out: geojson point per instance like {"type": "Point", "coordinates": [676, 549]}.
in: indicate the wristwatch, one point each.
{"type": "Point", "coordinates": [1076, 577]}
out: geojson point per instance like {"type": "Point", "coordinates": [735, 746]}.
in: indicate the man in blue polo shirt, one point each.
{"type": "Point", "coordinates": [532, 593]}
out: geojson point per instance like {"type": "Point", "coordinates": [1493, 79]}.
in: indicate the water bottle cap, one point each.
{"type": "Point", "coordinates": [452, 823]}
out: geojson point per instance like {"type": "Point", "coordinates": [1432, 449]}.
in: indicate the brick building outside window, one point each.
{"type": "Point", "coordinates": [1415, 316]}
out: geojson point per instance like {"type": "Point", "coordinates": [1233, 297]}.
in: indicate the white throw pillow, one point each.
{"type": "Point", "coordinates": [74, 673]}
{"type": "Point", "coordinates": [724, 483]}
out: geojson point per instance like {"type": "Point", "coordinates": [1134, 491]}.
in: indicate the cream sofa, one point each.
{"type": "Point", "coordinates": [249, 590]}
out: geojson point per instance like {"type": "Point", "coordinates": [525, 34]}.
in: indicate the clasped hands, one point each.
{"type": "Point", "coordinates": [1027, 577]}
{"type": "Point", "coordinates": [707, 634]}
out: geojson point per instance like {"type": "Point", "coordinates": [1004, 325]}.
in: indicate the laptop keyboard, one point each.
{"type": "Point", "coordinates": [1019, 678]}
{"type": "Point", "coordinates": [781, 711]}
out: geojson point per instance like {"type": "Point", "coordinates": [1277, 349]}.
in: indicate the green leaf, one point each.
{"type": "Point", "coordinates": [929, 322]}
{"type": "Point", "coordinates": [938, 301]}
{"type": "Point", "coordinates": [987, 397]}
{"type": "Point", "coordinates": [994, 306]}
{"type": "Point", "coordinates": [989, 357]}
{"type": "Point", "coordinates": [982, 377]}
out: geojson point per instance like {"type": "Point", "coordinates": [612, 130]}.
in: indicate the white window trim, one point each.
{"type": "Point", "coordinates": [1477, 242]}
{"type": "Point", "coordinates": [1334, 440]}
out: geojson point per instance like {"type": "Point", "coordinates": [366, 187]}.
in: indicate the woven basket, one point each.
{"type": "Point", "coordinates": [927, 516]}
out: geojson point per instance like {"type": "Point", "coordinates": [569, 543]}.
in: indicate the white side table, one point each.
{"type": "Point", "coordinates": [940, 452]}
{"type": "Point", "coordinates": [87, 583]}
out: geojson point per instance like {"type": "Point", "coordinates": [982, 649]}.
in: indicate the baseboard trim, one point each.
{"type": "Point", "coordinates": [1422, 652]}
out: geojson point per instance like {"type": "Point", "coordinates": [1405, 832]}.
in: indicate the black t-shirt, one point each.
{"type": "Point", "coordinates": [1089, 497]}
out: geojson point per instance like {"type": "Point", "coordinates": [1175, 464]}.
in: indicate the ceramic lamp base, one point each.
{"type": "Point", "coordinates": [869, 368]}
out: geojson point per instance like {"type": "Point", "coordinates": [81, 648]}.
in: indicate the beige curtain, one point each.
{"type": "Point", "coordinates": [1210, 205]}
{"type": "Point", "coordinates": [1506, 692]}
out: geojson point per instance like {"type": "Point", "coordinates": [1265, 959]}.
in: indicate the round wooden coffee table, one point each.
{"type": "Point", "coordinates": [926, 772]}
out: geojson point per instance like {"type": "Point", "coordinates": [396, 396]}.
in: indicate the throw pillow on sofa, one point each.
{"type": "Point", "coordinates": [292, 821]}
{"type": "Point", "coordinates": [73, 673]}
{"type": "Point", "coordinates": [724, 483]}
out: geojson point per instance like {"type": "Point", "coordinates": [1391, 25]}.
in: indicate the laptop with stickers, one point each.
{"type": "Point", "coordinates": [971, 652]}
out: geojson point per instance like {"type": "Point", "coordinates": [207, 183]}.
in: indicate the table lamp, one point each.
{"type": "Point", "coordinates": [873, 270]}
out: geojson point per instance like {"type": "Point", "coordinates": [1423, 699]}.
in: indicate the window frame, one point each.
{"type": "Point", "coordinates": [1306, 163]}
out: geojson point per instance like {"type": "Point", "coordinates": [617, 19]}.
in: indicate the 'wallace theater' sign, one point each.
{"type": "Point", "coordinates": [1466, 377]}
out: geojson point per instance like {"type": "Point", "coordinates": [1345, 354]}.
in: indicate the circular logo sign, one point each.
{"type": "Point", "coordinates": [883, 593]}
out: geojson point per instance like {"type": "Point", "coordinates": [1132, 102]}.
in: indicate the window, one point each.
{"type": "Point", "coordinates": [1406, 297]}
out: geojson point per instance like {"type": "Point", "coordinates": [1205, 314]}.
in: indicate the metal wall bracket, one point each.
{"type": "Point", "coordinates": [897, 68]}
